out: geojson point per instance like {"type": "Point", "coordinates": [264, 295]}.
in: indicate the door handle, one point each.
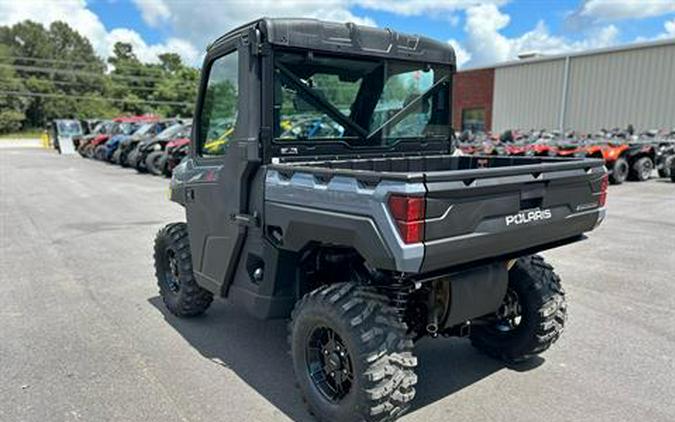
{"type": "Point", "coordinates": [250, 220]}
{"type": "Point", "coordinates": [190, 195]}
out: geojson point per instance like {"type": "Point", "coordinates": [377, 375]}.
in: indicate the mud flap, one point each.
{"type": "Point", "coordinates": [476, 292]}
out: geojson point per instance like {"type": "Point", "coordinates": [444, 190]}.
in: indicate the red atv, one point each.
{"type": "Point", "coordinates": [570, 149]}
{"type": "Point", "coordinates": [624, 160]}
{"type": "Point", "coordinates": [121, 125]}
{"type": "Point", "coordinates": [542, 149]}
{"type": "Point", "coordinates": [174, 152]}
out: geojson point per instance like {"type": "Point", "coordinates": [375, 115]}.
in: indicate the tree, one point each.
{"type": "Point", "coordinates": [59, 75]}
{"type": "Point", "coordinates": [170, 62]}
{"type": "Point", "coordinates": [57, 61]}
{"type": "Point", "coordinates": [12, 107]}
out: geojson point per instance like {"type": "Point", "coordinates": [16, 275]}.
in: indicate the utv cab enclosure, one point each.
{"type": "Point", "coordinates": [321, 186]}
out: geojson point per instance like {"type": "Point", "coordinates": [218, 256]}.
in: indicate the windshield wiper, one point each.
{"type": "Point", "coordinates": [321, 104]}
{"type": "Point", "coordinates": [402, 113]}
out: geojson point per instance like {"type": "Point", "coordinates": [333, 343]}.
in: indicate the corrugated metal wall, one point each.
{"type": "Point", "coordinates": [527, 96]}
{"type": "Point", "coordinates": [605, 90]}
{"type": "Point", "coordinates": [615, 89]}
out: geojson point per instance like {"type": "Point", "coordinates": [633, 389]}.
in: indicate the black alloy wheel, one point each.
{"type": "Point", "coordinates": [329, 363]}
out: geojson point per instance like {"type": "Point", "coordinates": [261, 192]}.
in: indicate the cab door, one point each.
{"type": "Point", "coordinates": [216, 169]}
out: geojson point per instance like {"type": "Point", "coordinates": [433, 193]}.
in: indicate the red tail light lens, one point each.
{"type": "Point", "coordinates": [408, 211]}
{"type": "Point", "coordinates": [604, 183]}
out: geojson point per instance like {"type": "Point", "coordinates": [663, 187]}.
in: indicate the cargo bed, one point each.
{"type": "Point", "coordinates": [476, 207]}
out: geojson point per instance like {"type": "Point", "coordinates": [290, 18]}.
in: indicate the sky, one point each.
{"type": "Point", "coordinates": [482, 32]}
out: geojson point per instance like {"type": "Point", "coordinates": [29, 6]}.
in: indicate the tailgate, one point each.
{"type": "Point", "coordinates": [487, 213]}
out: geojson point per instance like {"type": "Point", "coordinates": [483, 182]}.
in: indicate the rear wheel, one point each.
{"type": "Point", "coordinates": [531, 318]}
{"type": "Point", "coordinates": [642, 169]}
{"type": "Point", "coordinates": [351, 354]}
{"type": "Point", "coordinates": [619, 171]}
{"type": "Point", "coordinates": [173, 268]}
{"type": "Point", "coordinates": [140, 162]}
{"type": "Point", "coordinates": [154, 161]}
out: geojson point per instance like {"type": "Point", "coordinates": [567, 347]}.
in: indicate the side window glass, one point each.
{"type": "Point", "coordinates": [219, 111]}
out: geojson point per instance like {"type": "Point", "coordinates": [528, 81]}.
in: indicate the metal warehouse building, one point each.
{"type": "Point", "coordinates": [584, 91]}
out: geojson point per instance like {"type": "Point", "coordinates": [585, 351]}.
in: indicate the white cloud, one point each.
{"type": "Point", "coordinates": [154, 12]}
{"type": "Point", "coordinates": [487, 45]}
{"type": "Point", "coordinates": [420, 7]}
{"type": "Point", "coordinates": [148, 53]}
{"type": "Point", "coordinates": [670, 28]}
{"type": "Point", "coordinates": [668, 32]}
{"type": "Point", "coordinates": [194, 27]}
{"type": "Point", "coordinates": [461, 54]}
{"type": "Point", "coordinates": [624, 9]}
{"type": "Point", "coordinates": [77, 15]}
{"type": "Point", "coordinates": [201, 25]}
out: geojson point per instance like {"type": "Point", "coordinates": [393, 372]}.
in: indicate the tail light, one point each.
{"type": "Point", "coordinates": [604, 183]}
{"type": "Point", "coordinates": [408, 211]}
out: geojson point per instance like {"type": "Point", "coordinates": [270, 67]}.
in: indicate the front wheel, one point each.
{"type": "Point", "coordinates": [351, 354]}
{"type": "Point", "coordinates": [99, 152]}
{"type": "Point", "coordinates": [173, 268]}
{"type": "Point", "coordinates": [153, 162]}
{"type": "Point", "coordinates": [531, 317]}
{"type": "Point", "coordinates": [116, 156]}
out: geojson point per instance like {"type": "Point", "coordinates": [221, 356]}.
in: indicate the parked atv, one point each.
{"type": "Point", "coordinates": [85, 144]}
{"type": "Point", "coordinates": [665, 154]}
{"type": "Point", "coordinates": [149, 130]}
{"type": "Point", "coordinates": [102, 128]}
{"type": "Point", "coordinates": [625, 160]}
{"type": "Point", "coordinates": [366, 240]}
{"type": "Point", "coordinates": [121, 126]}
{"type": "Point", "coordinates": [142, 126]}
{"type": "Point", "coordinates": [176, 150]}
{"type": "Point", "coordinates": [150, 151]}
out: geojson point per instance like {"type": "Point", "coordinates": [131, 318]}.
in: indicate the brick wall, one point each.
{"type": "Point", "coordinates": [472, 89]}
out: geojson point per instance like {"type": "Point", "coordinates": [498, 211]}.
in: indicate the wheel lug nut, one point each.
{"type": "Point", "coordinates": [332, 374]}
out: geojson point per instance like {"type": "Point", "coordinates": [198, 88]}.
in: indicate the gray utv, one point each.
{"type": "Point", "coordinates": [321, 186]}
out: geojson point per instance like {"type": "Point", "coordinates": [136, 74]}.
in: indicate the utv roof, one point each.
{"type": "Point", "coordinates": [132, 119]}
{"type": "Point", "coordinates": [346, 38]}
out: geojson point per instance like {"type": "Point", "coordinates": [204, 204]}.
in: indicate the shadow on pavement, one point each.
{"type": "Point", "coordinates": [257, 351]}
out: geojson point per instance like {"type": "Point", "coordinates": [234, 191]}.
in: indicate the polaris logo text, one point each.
{"type": "Point", "coordinates": [525, 217]}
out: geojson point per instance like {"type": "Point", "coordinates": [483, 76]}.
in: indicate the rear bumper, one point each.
{"type": "Point", "coordinates": [481, 245]}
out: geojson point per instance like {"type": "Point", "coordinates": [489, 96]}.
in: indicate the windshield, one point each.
{"type": "Point", "coordinates": [124, 128]}
{"type": "Point", "coordinates": [377, 102]}
{"type": "Point", "coordinates": [143, 130]}
{"type": "Point", "coordinates": [99, 128]}
{"type": "Point", "coordinates": [69, 127]}
{"type": "Point", "coordinates": [170, 132]}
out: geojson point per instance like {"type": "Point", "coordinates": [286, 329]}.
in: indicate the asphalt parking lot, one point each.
{"type": "Point", "coordinates": [83, 335]}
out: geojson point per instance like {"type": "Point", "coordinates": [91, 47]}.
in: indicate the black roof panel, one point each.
{"type": "Point", "coordinates": [349, 38]}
